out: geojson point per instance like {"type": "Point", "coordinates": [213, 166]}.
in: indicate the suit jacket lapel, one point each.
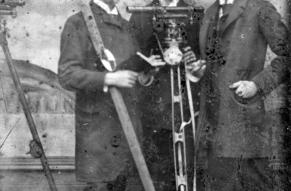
{"type": "Point", "coordinates": [209, 17]}
{"type": "Point", "coordinates": [182, 3]}
{"type": "Point", "coordinates": [106, 18]}
{"type": "Point", "coordinates": [113, 20]}
{"type": "Point", "coordinates": [235, 12]}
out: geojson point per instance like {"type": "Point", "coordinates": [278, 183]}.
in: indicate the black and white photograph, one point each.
{"type": "Point", "coordinates": [145, 95]}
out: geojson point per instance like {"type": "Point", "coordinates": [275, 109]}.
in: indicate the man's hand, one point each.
{"type": "Point", "coordinates": [189, 56]}
{"type": "Point", "coordinates": [198, 67]}
{"type": "Point", "coordinates": [122, 79]}
{"type": "Point", "coordinates": [196, 70]}
{"type": "Point", "coordinates": [154, 60]}
{"type": "Point", "coordinates": [245, 89]}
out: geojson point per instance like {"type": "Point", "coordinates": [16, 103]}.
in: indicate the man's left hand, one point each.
{"type": "Point", "coordinates": [153, 60]}
{"type": "Point", "coordinates": [245, 89]}
{"type": "Point", "coordinates": [189, 56]}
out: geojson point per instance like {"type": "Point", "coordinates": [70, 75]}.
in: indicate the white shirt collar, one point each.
{"type": "Point", "coordinates": [224, 2]}
{"type": "Point", "coordinates": [174, 3]}
{"type": "Point", "coordinates": [106, 8]}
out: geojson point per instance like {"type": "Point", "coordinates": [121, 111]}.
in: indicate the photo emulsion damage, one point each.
{"type": "Point", "coordinates": [145, 95]}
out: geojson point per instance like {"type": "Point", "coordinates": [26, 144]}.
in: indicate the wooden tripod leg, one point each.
{"type": "Point", "coordinates": [36, 140]}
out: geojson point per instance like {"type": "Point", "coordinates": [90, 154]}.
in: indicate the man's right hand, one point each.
{"type": "Point", "coordinates": [121, 78]}
{"type": "Point", "coordinates": [197, 68]}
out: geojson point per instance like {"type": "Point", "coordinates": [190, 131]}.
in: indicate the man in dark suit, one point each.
{"type": "Point", "coordinates": [102, 153]}
{"type": "Point", "coordinates": [233, 42]}
{"type": "Point", "coordinates": [155, 100]}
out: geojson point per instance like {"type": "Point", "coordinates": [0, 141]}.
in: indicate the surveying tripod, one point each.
{"type": "Point", "coordinates": [172, 21]}
{"type": "Point", "coordinates": [7, 7]}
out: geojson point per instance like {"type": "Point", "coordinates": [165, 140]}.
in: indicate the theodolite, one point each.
{"type": "Point", "coordinates": [171, 22]}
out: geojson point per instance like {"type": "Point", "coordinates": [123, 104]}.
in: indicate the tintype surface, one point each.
{"type": "Point", "coordinates": [244, 142]}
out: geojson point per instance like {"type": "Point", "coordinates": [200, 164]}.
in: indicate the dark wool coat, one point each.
{"type": "Point", "coordinates": [235, 127]}
{"type": "Point", "coordinates": [102, 152]}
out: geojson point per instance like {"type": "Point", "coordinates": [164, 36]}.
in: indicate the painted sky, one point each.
{"type": "Point", "coordinates": [35, 33]}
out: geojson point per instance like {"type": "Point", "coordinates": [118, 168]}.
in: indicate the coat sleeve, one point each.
{"type": "Point", "coordinates": [276, 35]}
{"type": "Point", "coordinates": [71, 71]}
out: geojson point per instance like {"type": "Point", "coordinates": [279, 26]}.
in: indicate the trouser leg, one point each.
{"type": "Point", "coordinates": [161, 164]}
{"type": "Point", "coordinates": [221, 174]}
{"type": "Point", "coordinates": [96, 187]}
{"type": "Point", "coordinates": [133, 182]}
{"type": "Point", "coordinates": [234, 174]}
{"type": "Point", "coordinates": [119, 184]}
{"type": "Point", "coordinates": [257, 175]}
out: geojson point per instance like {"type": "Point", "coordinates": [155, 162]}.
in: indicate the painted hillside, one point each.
{"type": "Point", "coordinates": [52, 108]}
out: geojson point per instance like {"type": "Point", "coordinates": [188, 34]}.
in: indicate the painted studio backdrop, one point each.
{"type": "Point", "coordinates": [34, 37]}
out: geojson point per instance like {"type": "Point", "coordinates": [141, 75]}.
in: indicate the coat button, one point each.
{"type": "Point", "coordinates": [115, 141]}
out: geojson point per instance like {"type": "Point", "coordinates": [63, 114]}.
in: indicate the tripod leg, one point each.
{"type": "Point", "coordinates": [180, 159]}
{"type": "Point", "coordinates": [30, 121]}
{"type": "Point", "coordinates": [192, 113]}
{"type": "Point", "coordinates": [179, 134]}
